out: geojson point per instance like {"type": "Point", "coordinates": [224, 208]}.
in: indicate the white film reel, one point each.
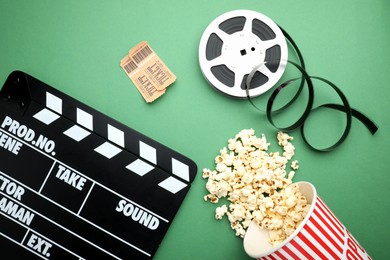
{"type": "Point", "coordinates": [236, 43]}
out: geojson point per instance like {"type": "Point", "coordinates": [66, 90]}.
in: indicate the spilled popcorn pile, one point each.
{"type": "Point", "coordinates": [257, 185]}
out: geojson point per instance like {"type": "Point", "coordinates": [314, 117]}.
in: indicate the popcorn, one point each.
{"type": "Point", "coordinates": [291, 201]}
{"type": "Point", "coordinates": [220, 212]}
{"type": "Point", "coordinates": [281, 210]}
{"type": "Point", "coordinates": [257, 186]}
{"type": "Point", "coordinates": [294, 165]}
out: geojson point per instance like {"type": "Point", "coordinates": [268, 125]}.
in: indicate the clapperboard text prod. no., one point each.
{"type": "Point", "coordinates": [24, 133]}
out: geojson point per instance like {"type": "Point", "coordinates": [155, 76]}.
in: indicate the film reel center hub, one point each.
{"type": "Point", "coordinates": [242, 52]}
{"type": "Point", "coordinates": [235, 44]}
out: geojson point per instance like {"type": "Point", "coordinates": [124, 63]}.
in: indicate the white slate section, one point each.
{"type": "Point", "coordinates": [116, 136]}
{"type": "Point", "coordinates": [54, 103]}
{"type": "Point", "coordinates": [108, 150]}
{"type": "Point", "coordinates": [77, 133]}
{"type": "Point", "coordinates": [140, 167]}
{"type": "Point", "coordinates": [147, 152]}
{"type": "Point", "coordinates": [173, 185]}
{"type": "Point", "coordinates": [46, 116]}
{"type": "Point", "coordinates": [84, 119]}
{"type": "Point", "coordinates": [180, 169]}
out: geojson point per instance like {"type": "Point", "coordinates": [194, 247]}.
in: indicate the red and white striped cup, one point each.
{"type": "Point", "coordinates": [320, 236]}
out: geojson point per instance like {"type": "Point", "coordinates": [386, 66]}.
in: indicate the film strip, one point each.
{"type": "Point", "coordinates": [243, 54]}
{"type": "Point", "coordinates": [74, 182]}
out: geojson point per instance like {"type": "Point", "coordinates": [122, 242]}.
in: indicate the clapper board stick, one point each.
{"type": "Point", "coordinates": [76, 183]}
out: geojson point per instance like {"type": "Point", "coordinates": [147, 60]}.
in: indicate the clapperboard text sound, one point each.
{"type": "Point", "coordinates": [137, 214]}
{"type": "Point", "coordinates": [25, 133]}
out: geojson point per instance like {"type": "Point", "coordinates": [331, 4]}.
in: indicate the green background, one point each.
{"type": "Point", "coordinates": [76, 46]}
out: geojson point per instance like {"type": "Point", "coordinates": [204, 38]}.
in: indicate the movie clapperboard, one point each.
{"type": "Point", "coordinates": [76, 184]}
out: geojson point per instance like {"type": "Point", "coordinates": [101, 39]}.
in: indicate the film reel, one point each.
{"type": "Point", "coordinates": [234, 44]}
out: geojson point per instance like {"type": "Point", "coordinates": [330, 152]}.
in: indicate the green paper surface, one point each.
{"type": "Point", "coordinates": [76, 46]}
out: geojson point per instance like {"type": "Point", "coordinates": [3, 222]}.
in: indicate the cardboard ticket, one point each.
{"type": "Point", "coordinates": [147, 71]}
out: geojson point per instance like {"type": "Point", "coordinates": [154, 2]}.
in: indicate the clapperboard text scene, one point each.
{"type": "Point", "coordinates": [76, 184]}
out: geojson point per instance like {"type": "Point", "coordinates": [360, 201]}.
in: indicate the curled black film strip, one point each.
{"type": "Point", "coordinates": [243, 41]}
{"type": "Point", "coordinates": [345, 107]}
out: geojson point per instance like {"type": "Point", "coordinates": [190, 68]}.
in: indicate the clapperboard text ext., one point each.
{"type": "Point", "coordinates": [23, 132]}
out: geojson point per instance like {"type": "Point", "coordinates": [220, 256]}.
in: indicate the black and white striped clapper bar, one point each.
{"type": "Point", "coordinates": [76, 184]}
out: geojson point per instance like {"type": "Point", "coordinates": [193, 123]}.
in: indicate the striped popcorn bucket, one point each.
{"type": "Point", "coordinates": [320, 236]}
